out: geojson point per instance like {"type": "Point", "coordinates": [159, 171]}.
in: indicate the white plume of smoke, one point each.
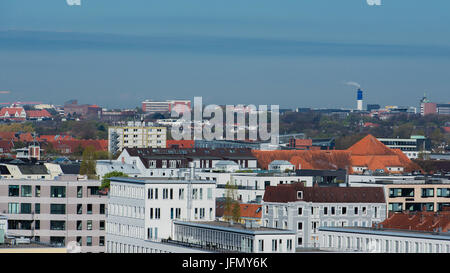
{"type": "Point", "coordinates": [353, 84]}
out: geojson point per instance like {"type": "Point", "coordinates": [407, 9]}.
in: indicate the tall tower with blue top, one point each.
{"type": "Point", "coordinates": [359, 100]}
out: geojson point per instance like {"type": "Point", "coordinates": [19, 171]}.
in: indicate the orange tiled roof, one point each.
{"type": "Point", "coordinates": [250, 210]}
{"type": "Point", "coordinates": [368, 152]}
{"type": "Point", "coordinates": [38, 114]}
{"type": "Point", "coordinates": [419, 221]}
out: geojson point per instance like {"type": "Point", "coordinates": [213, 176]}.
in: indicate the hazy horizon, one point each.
{"type": "Point", "coordinates": [295, 54]}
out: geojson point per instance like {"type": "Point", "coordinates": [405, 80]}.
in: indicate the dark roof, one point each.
{"type": "Point", "coordinates": [32, 169]}
{"type": "Point", "coordinates": [4, 170]}
{"type": "Point", "coordinates": [190, 153]}
{"type": "Point", "coordinates": [70, 168]}
{"type": "Point", "coordinates": [288, 193]}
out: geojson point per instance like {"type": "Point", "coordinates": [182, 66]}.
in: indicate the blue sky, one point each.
{"type": "Point", "coordinates": [295, 53]}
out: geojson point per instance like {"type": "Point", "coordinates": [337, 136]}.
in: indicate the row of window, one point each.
{"type": "Point", "coordinates": [426, 192]}
{"type": "Point", "coordinates": [114, 247]}
{"type": "Point", "coordinates": [54, 225]}
{"type": "Point", "coordinates": [383, 245]}
{"type": "Point", "coordinates": [126, 230]}
{"type": "Point", "coordinates": [326, 210]}
{"type": "Point", "coordinates": [127, 211]}
{"type": "Point", "coordinates": [26, 208]}
{"type": "Point", "coordinates": [168, 193]}
{"type": "Point", "coordinates": [55, 191]}
{"type": "Point", "coordinates": [277, 245]}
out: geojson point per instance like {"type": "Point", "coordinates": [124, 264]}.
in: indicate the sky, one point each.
{"type": "Point", "coordinates": [292, 53]}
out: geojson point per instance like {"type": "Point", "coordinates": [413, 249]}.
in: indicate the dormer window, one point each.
{"type": "Point", "coordinates": [300, 195]}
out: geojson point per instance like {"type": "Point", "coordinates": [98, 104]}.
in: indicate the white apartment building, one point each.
{"type": "Point", "coordinates": [136, 135]}
{"type": "Point", "coordinates": [142, 210]}
{"type": "Point", "coordinates": [251, 186]}
{"type": "Point", "coordinates": [351, 239]}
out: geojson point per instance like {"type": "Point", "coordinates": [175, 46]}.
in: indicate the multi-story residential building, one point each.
{"type": "Point", "coordinates": [179, 106]}
{"type": "Point", "coordinates": [68, 208]}
{"type": "Point", "coordinates": [252, 184]}
{"type": "Point", "coordinates": [305, 209]}
{"type": "Point", "coordinates": [409, 193]}
{"type": "Point", "coordinates": [411, 147]}
{"type": "Point", "coordinates": [136, 135]}
{"type": "Point", "coordinates": [171, 162]}
{"type": "Point", "coordinates": [142, 210]}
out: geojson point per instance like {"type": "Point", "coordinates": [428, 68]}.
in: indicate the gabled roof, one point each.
{"type": "Point", "coordinates": [285, 193]}
{"type": "Point", "coordinates": [38, 114]}
{"type": "Point", "coordinates": [369, 145]}
{"type": "Point", "coordinates": [419, 221]}
{"type": "Point", "coordinates": [11, 111]}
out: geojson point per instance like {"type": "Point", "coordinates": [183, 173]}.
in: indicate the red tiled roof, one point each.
{"type": "Point", "coordinates": [369, 145]}
{"type": "Point", "coordinates": [6, 145]}
{"type": "Point", "coordinates": [51, 138]}
{"type": "Point", "coordinates": [419, 221]}
{"type": "Point", "coordinates": [284, 193]}
{"type": "Point", "coordinates": [250, 210]}
{"type": "Point", "coordinates": [180, 143]}
{"type": "Point", "coordinates": [368, 152]}
{"type": "Point", "coordinates": [11, 111]}
{"type": "Point", "coordinates": [38, 114]}
{"type": "Point", "coordinates": [7, 135]}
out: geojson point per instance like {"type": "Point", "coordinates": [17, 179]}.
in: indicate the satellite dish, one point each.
{"type": "Point", "coordinates": [73, 247]}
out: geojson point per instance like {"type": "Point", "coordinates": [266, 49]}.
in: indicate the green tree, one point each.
{"type": "Point", "coordinates": [106, 178]}
{"type": "Point", "coordinates": [232, 210]}
{"type": "Point", "coordinates": [87, 166]}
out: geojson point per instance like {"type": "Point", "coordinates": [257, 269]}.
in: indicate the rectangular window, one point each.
{"type": "Point", "coordinates": [325, 210]}
{"type": "Point", "coordinates": [300, 211]}
{"type": "Point", "coordinates": [79, 240]}
{"type": "Point", "coordinates": [37, 192]}
{"type": "Point", "coordinates": [344, 210]}
{"type": "Point", "coordinates": [89, 241]}
{"type": "Point", "coordinates": [57, 209]}
{"type": "Point", "coordinates": [428, 192]}
{"type": "Point", "coordinates": [333, 210]}
{"type": "Point", "coordinates": [25, 208]}
{"type": "Point", "coordinates": [171, 194]}
{"type": "Point", "coordinates": [299, 225]}
{"type": "Point", "coordinates": [210, 194]}
{"type": "Point", "coordinates": [89, 224]}
{"type": "Point", "coordinates": [181, 194]}
{"type": "Point", "coordinates": [89, 208]}
{"type": "Point", "coordinates": [37, 224]}
{"type": "Point", "coordinates": [13, 190]}
{"type": "Point", "coordinates": [79, 191]}
{"type": "Point", "coordinates": [101, 241]}
{"type": "Point", "coordinates": [13, 208]}
{"type": "Point", "coordinates": [57, 225]}
{"type": "Point", "coordinates": [26, 191]}
{"type": "Point", "coordinates": [261, 245]}
{"type": "Point", "coordinates": [274, 245]}
{"type": "Point", "coordinates": [102, 208]}
{"type": "Point", "coordinates": [102, 225]}
{"type": "Point", "coordinates": [79, 208]}
{"type": "Point", "coordinates": [58, 191]}
{"type": "Point", "coordinates": [37, 208]}
{"type": "Point", "coordinates": [79, 225]}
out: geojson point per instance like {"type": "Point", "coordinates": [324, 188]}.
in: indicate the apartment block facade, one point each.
{"type": "Point", "coordinates": [142, 210]}
{"type": "Point", "coordinates": [305, 209]}
{"type": "Point", "coordinates": [136, 135]}
{"type": "Point", "coordinates": [56, 211]}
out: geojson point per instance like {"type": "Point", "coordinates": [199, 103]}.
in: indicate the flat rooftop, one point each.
{"type": "Point", "coordinates": [391, 232]}
{"type": "Point", "coordinates": [160, 180]}
{"type": "Point", "coordinates": [236, 227]}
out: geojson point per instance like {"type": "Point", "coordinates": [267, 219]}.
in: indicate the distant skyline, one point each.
{"type": "Point", "coordinates": [297, 53]}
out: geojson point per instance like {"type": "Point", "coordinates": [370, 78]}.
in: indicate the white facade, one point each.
{"type": "Point", "coordinates": [382, 241]}
{"type": "Point", "coordinates": [143, 210]}
{"type": "Point", "coordinates": [251, 186]}
{"type": "Point", "coordinates": [136, 136]}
